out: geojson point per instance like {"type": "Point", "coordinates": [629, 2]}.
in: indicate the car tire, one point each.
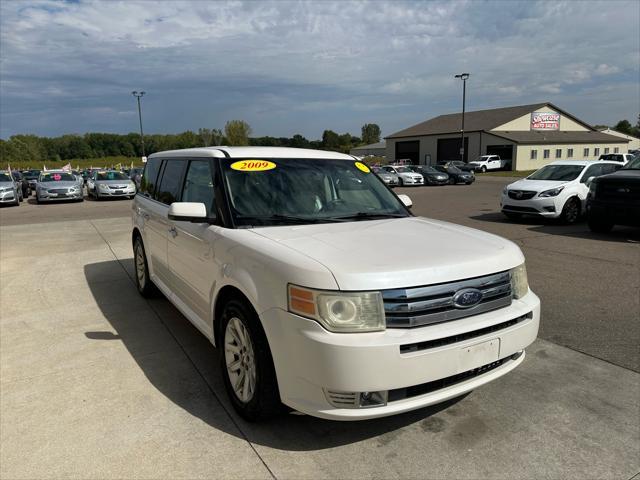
{"type": "Point", "coordinates": [512, 215]}
{"type": "Point", "coordinates": [145, 286]}
{"type": "Point", "coordinates": [571, 211]}
{"type": "Point", "coordinates": [38, 199]}
{"type": "Point", "coordinates": [599, 225]}
{"type": "Point", "coordinates": [468, 183]}
{"type": "Point", "coordinates": [452, 181]}
{"type": "Point", "coordinates": [400, 182]}
{"type": "Point", "coordinates": [483, 169]}
{"type": "Point", "coordinates": [252, 387]}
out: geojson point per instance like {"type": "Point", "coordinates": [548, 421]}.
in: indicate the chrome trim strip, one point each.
{"type": "Point", "coordinates": [444, 288]}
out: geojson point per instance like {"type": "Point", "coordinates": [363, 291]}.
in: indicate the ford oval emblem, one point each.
{"type": "Point", "coordinates": [467, 298]}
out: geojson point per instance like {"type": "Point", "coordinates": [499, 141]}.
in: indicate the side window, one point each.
{"type": "Point", "coordinates": [149, 176]}
{"type": "Point", "coordinates": [169, 188]}
{"type": "Point", "coordinates": [558, 152]}
{"type": "Point", "coordinates": [608, 168]}
{"type": "Point", "coordinates": [596, 151]}
{"type": "Point", "coordinates": [592, 171]}
{"type": "Point", "coordinates": [198, 185]}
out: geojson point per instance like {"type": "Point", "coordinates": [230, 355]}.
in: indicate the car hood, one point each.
{"type": "Point", "coordinates": [6, 185]}
{"type": "Point", "coordinates": [51, 185]}
{"type": "Point", "coordinates": [396, 253]}
{"type": "Point", "coordinates": [535, 185]}
{"type": "Point", "coordinates": [115, 182]}
{"type": "Point", "coordinates": [439, 176]}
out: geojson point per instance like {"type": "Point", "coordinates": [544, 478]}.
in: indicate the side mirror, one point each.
{"type": "Point", "coordinates": [188, 212]}
{"type": "Point", "coordinates": [406, 200]}
{"type": "Point", "coordinates": [589, 180]}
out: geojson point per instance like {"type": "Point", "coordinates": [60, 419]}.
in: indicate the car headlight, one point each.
{"type": "Point", "coordinates": [519, 282]}
{"type": "Point", "coordinates": [505, 191]}
{"type": "Point", "coordinates": [340, 312]}
{"type": "Point", "coordinates": [102, 186]}
{"type": "Point", "coordinates": [554, 192]}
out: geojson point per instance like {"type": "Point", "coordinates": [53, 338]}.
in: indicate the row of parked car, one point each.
{"type": "Point", "coordinates": [607, 192]}
{"type": "Point", "coordinates": [55, 185]}
{"type": "Point", "coordinates": [416, 175]}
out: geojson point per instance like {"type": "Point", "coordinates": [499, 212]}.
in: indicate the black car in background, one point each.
{"type": "Point", "coordinates": [31, 176]}
{"type": "Point", "coordinates": [431, 175]}
{"type": "Point", "coordinates": [615, 199]}
{"type": "Point", "coordinates": [22, 183]}
{"type": "Point", "coordinates": [456, 175]}
{"type": "Point", "coordinates": [465, 167]}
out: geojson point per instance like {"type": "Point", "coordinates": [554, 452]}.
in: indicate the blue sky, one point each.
{"type": "Point", "coordinates": [302, 67]}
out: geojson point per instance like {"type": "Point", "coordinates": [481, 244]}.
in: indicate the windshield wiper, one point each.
{"type": "Point", "coordinates": [368, 215]}
{"type": "Point", "coordinates": [276, 217]}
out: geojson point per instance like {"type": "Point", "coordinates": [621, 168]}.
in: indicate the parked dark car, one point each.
{"type": "Point", "coordinates": [135, 174]}
{"type": "Point", "coordinates": [456, 175]}
{"type": "Point", "coordinates": [615, 199]}
{"type": "Point", "coordinates": [22, 183]}
{"type": "Point", "coordinates": [431, 175]}
{"type": "Point", "coordinates": [465, 167]}
{"type": "Point", "coordinates": [31, 176]}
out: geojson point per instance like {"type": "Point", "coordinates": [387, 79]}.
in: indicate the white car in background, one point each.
{"type": "Point", "coordinates": [406, 176]}
{"type": "Point", "coordinates": [557, 190]}
{"type": "Point", "coordinates": [622, 158]}
{"type": "Point", "coordinates": [488, 162]}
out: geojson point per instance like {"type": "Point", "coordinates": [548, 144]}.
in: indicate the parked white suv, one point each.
{"type": "Point", "coordinates": [488, 162]}
{"type": "Point", "coordinates": [273, 254]}
{"type": "Point", "coordinates": [557, 190]}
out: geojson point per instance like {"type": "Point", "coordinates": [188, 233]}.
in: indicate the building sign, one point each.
{"type": "Point", "coordinates": [545, 121]}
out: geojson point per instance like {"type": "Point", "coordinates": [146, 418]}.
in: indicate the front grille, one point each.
{"type": "Point", "coordinates": [414, 391]}
{"type": "Point", "coordinates": [521, 194]}
{"type": "Point", "coordinates": [417, 306]}
{"type": "Point", "coordinates": [441, 342]}
{"type": "Point", "coordinates": [618, 191]}
{"type": "Point", "coordinates": [58, 190]}
{"type": "Point", "coordinates": [117, 187]}
{"type": "Point", "coordinates": [342, 399]}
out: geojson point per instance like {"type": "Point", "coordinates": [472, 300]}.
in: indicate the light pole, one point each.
{"type": "Point", "coordinates": [138, 95]}
{"type": "Point", "coordinates": [463, 77]}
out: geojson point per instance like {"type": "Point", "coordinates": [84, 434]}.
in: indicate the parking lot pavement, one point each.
{"type": "Point", "coordinates": [96, 382]}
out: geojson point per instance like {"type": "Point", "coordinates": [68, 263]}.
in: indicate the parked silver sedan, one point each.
{"type": "Point", "coordinates": [390, 179]}
{"type": "Point", "coordinates": [9, 192]}
{"type": "Point", "coordinates": [110, 184]}
{"type": "Point", "coordinates": [54, 185]}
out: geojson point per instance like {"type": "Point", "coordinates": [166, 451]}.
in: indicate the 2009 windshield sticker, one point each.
{"type": "Point", "coordinates": [361, 166]}
{"type": "Point", "coordinates": [253, 165]}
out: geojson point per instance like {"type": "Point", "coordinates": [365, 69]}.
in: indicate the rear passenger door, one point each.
{"type": "Point", "coordinates": [190, 246]}
{"type": "Point", "coordinates": [156, 216]}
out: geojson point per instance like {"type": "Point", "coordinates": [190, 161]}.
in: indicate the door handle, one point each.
{"type": "Point", "coordinates": [173, 232]}
{"type": "Point", "coordinates": [146, 216]}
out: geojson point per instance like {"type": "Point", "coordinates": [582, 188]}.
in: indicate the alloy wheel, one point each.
{"type": "Point", "coordinates": [140, 268]}
{"type": "Point", "coordinates": [240, 360]}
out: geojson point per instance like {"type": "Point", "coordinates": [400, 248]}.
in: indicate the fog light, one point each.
{"type": "Point", "coordinates": [550, 209]}
{"type": "Point", "coordinates": [373, 399]}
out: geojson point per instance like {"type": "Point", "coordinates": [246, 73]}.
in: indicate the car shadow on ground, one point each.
{"type": "Point", "coordinates": [290, 431]}
{"type": "Point", "coordinates": [551, 226]}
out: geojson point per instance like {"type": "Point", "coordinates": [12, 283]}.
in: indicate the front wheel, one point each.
{"type": "Point", "coordinates": [247, 365]}
{"type": "Point", "coordinates": [571, 211]}
{"type": "Point", "coordinates": [400, 182]}
{"type": "Point", "coordinates": [483, 169]}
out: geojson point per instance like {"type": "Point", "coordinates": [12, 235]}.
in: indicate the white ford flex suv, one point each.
{"type": "Point", "coordinates": [273, 254]}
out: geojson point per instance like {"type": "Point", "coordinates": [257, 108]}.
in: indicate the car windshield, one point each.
{"type": "Point", "coordinates": [32, 174]}
{"type": "Point", "coordinates": [5, 177]}
{"type": "Point", "coordinates": [561, 173]}
{"type": "Point", "coordinates": [616, 157]}
{"type": "Point", "coordinates": [453, 169]}
{"type": "Point", "coordinates": [57, 177]}
{"type": "Point", "coordinates": [430, 170]}
{"type": "Point", "coordinates": [305, 191]}
{"type": "Point", "coordinates": [111, 176]}
{"type": "Point", "coordinates": [632, 165]}
{"type": "Point", "coordinates": [403, 170]}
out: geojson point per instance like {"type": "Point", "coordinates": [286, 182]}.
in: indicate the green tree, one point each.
{"type": "Point", "coordinates": [330, 140]}
{"type": "Point", "coordinates": [206, 136]}
{"type": "Point", "coordinates": [298, 141]}
{"type": "Point", "coordinates": [623, 126]}
{"type": "Point", "coordinates": [237, 132]}
{"type": "Point", "coordinates": [217, 137]}
{"type": "Point", "coordinates": [370, 133]}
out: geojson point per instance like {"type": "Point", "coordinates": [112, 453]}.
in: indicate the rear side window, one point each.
{"type": "Point", "coordinates": [169, 189]}
{"type": "Point", "coordinates": [198, 184]}
{"type": "Point", "coordinates": [149, 176]}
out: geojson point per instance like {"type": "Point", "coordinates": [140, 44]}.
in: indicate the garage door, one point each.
{"type": "Point", "coordinates": [505, 151]}
{"type": "Point", "coordinates": [449, 149]}
{"type": "Point", "coordinates": [408, 151]}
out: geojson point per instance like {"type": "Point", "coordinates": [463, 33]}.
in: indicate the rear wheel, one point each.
{"type": "Point", "coordinates": [400, 182]}
{"type": "Point", "coordinates": [145, 286]}
{"type": "Point", "coordinates": [599, 225]}
{"type": "Point", "coordinates": [247, 365]}
{"type": "Point", "coordinates": [571, 211]}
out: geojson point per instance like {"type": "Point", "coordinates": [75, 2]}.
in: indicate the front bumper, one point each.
{"type": "Point", "coordinates": [127, 192]}
{"type": "Point", "coordinates": [8, 197]}
{"type": "Point", "coordinates": [617, 212]}
{"type": "Point", "coordinates": [44, 196]}
{"type": "Point", "coordinates": [550, 207]}
{"type": "Point", "coordinates": [412, 181]}
{"type": "Point", "coordinates": [311, 361]}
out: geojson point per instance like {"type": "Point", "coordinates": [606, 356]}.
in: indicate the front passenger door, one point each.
{"type": "Point", "coordinates": [190, 246]}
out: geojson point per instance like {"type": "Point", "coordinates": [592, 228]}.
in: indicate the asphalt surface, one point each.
{"type": "Point", "coordinates": [97, 382]}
